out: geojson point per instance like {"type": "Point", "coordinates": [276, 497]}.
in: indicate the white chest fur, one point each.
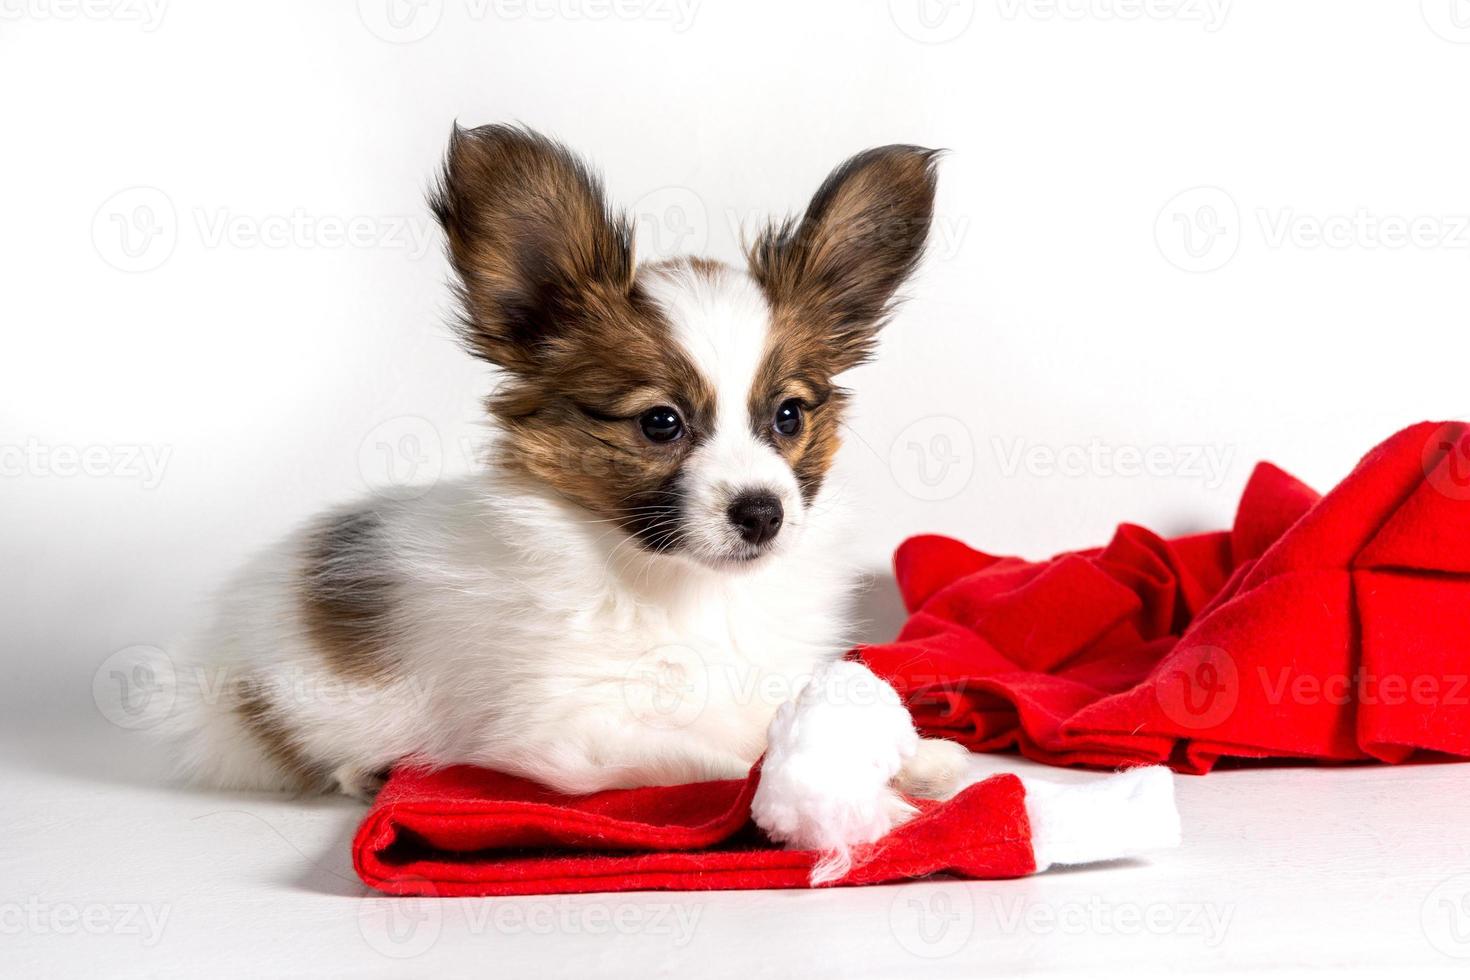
{"type": "Point", "coordinates": [560, 649]}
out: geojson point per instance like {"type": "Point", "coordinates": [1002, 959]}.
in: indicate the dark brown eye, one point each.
{"type": "Point", "coordinates": [788, 418]}
{"type": "Point", "coordinates": [661, 424]}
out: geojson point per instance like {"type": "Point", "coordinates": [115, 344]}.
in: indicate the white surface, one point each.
{"type": "Point", "coordinates": [1359, 868]}
{"type": "Point", "coordinates": [244, 366]}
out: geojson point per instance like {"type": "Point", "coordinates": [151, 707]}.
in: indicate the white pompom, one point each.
{"type": "Point", "coordinates": [833, 751]}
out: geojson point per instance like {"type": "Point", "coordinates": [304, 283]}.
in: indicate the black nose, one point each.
{"type": "Point", "coordinates": [757, 515]}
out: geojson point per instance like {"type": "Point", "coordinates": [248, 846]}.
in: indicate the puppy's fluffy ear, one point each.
{"type": "Point", "coordinates": [833, 273]}
{"type": "Point", "coordinates": [532, 241]}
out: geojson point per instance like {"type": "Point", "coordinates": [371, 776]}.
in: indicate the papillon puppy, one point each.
{"type": "Point", "coordinates": [650, 563]}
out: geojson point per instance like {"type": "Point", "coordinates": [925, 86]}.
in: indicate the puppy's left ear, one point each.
{"type": "Point", "coordinates": [833, 273]}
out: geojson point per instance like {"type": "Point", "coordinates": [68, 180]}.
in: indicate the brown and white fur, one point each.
{"type": "Point", "coordinates": [533, 617]}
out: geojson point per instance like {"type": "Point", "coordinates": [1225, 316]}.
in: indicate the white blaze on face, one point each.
{"type": "Point", "coordinates": [723, 321]}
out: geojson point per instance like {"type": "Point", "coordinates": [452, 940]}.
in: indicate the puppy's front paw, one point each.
{"type": "Point", "coordinates": [934, 771]}
{"type": "Point", "coordinates": [358, 783]}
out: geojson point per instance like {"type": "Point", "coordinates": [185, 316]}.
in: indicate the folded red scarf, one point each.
{"type": "Point", "coordinates": [1333, 629]}
{"type": "Point", "coordinates": [468, 831]}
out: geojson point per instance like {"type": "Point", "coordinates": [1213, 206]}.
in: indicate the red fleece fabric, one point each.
{"type": "Point", "coordinates": [1332, 629]}
{"type": "Point", "coordinates": [467, 831]}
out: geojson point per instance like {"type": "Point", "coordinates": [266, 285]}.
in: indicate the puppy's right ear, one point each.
{"type": "Point", "coordinates": [531, 240]}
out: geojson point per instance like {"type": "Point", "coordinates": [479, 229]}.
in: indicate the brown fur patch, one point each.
{"type": "Point", "coordinates": [830, 277]}
{"type": "Point", "coordinates": [537, 252]}
{"type": "Point", "coordinates": [546, 278]}
{"type": "Point", "coordinates": [574, 425]}
{"type": "Point", "coordinates": [347, 593]}
{"type": "Point", "coordinates": [830, 280]}
{"type": "Point", "coordinates": [794, 367]}
{"type": "Point", "coordinates": [280, 747]}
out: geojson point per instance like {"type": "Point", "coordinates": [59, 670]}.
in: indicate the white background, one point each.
{"type": "Point", "coordinates": [1201, 231]}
